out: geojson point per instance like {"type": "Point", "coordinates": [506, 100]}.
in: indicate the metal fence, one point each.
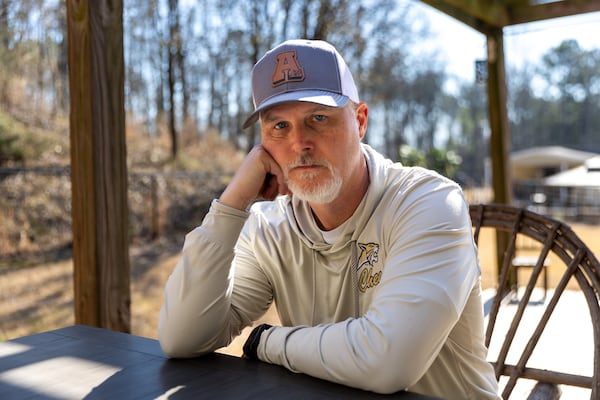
{"type": "Point", "coordinates": [573, 204]}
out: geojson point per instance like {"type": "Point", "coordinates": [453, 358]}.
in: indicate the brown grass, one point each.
{"type": "Point", "coordinates": [40, 298]}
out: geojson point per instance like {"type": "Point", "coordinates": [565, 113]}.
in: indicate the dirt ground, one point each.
{"type": "Point", "coordinates": [40, 298]}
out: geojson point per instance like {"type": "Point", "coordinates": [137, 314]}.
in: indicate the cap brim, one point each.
{"type": "Point", "coordinates": [310, 96]}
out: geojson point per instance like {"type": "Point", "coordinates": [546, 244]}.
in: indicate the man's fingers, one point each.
{"type": "Point", "coordinates": [276, 176]}
{"type": "Point", "coordinates": [259, 176]}
{"type": "Point", "coordinates": [269, 188]}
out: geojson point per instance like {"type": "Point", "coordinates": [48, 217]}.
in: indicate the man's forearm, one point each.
{"type": "Point", "coordinates": [194, 318]}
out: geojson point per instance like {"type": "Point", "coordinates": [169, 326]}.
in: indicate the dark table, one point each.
{"type": "Point", "coordinates": [81, 362]}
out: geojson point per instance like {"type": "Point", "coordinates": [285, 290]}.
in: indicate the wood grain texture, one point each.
{"type": "Point", "coordinates": [98, 164]}
{"type": "Point", "coordinates": [498, 114]}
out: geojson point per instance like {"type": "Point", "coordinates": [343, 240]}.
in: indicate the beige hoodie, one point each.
{"type": "Point", "coordinates": [394, 303]}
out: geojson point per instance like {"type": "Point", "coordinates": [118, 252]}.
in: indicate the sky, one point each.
{"type": "Point", "coordinates": [524, 43]}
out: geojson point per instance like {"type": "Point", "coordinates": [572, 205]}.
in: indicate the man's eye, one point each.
{"type": "Point", "coordinates": [320, 118]}
{"type": "Point", "coordinates": [280, 125]}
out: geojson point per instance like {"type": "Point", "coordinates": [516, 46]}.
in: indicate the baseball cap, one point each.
{"type": "Point", "coordinates": [301, 70]}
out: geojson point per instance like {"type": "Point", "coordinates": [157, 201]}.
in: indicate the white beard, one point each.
{"type": "Point", "coordinates": [324, 192]}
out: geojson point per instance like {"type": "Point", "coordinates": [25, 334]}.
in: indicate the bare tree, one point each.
{"type": "Point", "coordinates": [5, 36]}
{"type": "Point", "coordinates": [174, 55]}
{"type": "Point", "coordinates": [60, 72]}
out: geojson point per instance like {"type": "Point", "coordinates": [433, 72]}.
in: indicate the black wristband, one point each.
{"type": "Point", "coordinates": [251, 345]}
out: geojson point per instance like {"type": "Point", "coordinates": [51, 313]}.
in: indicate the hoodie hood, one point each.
{"type": "Point", "coordinates": [303, 222]}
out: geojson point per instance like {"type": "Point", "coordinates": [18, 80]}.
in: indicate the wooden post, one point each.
{"type": "Point", "coordinates": [498, 114]}
{"type": "Point", "coordinates": [98, 164]}
{"type": "Point", "coordinates": [500, 129]}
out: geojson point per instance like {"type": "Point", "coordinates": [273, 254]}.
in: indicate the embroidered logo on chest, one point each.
{"type": "Point", "coordinates": [369, 255]}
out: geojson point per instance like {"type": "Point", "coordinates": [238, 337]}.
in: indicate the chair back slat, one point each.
{"type": "Point", "coordinates": [503, 283]}
{"type": "Point", "coordinates": [556, 240]}
{"type": "Point", "coordinates": [533, 340]}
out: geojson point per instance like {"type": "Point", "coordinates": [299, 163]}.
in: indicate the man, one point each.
{"type": "Point", "coordinates": [371, 264]}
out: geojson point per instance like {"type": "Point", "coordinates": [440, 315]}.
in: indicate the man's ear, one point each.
{"type": "Point", "coordinates": [362, 116]}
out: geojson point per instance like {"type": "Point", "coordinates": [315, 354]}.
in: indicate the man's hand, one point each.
{"type": "Point", "coordinates": [259, 177]}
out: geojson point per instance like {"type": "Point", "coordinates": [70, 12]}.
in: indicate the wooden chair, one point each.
{"type": "Point", "coordinates": [581, 269]}
{"type": "Point", "coordinates": [526, 257]}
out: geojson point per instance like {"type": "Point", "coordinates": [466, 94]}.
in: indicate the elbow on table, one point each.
{"type": "Point", "coordinates": [181, 349]}
{"type": "Point", "coordinates": [180, 339]}
{"type": "Point", "coordinates": [387, 370]}
{"type": "Point", "coordinates": [168, 339]}
{"type": "Point", "coordinates": [174, 348]}
{"type": "Point", "coordinates": [393, 366]}
{"type": "Point", "coordinates": [176, 344]}
{"type": "Point", "coordinates": [386, 380]}
{"type": "Point", "coordinates": [171, 350]}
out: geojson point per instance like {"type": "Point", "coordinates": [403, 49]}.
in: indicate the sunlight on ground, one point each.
{"type": "Point", "coordinates": [564, 346]}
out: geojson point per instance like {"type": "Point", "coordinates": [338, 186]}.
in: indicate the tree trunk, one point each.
{"type": "Point", "coordinates": [172, 123]}
{"type": "Point", "coordinates": [172, 63]}
{"type": "Point", "coordinates": [5, 51]}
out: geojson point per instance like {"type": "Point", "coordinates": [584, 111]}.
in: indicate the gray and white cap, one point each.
{"type": "Point", "coordinates": [301, 70]}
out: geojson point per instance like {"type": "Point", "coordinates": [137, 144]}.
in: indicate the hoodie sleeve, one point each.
{"type": "Point", "coordinates": [430, 270]}
{"type": "Point", "coordinates": [198, 314]}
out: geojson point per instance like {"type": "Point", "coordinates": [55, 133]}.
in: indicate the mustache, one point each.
{"type": "Point", "coordinates": [307, 160]}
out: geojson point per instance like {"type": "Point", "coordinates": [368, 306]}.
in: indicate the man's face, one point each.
{"type": "Point", "coordinates": [316, 146]}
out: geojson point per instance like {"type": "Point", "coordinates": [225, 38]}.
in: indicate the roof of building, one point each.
{"type": "Point", "coordinates": [549, 156]}
{"type": "Point", "coordinates": [585, 175]}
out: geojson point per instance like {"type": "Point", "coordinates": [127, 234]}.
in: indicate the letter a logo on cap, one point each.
{"type": "Point", "coordinates": [287, 69]}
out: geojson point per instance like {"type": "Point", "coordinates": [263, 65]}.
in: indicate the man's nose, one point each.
{"type": "Point", "coordinates": [302, 140]}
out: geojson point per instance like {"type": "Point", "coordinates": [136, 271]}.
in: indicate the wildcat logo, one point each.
{"type": "Point", "coordinates": [369, 255]}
